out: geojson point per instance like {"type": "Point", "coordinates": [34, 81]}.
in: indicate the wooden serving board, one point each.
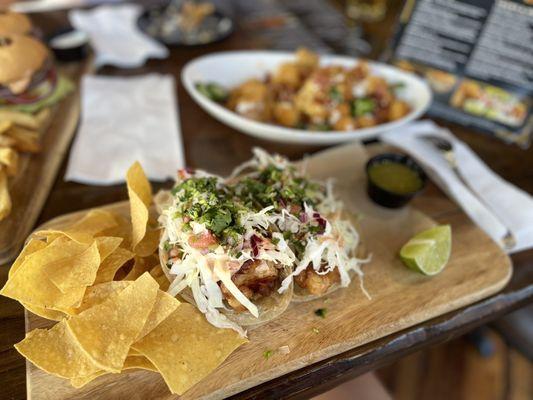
{"type": "Point", "coordinates": [400, 298]}
{"type": "Point", "coordinates": [30, 188]}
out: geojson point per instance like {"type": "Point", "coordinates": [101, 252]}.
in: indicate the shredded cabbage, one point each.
{"type": "Point", "coordinates": [205, 253]}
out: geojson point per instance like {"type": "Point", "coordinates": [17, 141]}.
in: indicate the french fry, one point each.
{"type": "Point", "coordinates": [24, 139]}
{"type": "Point", "coordinates": [4, 126]}
{"type": "Point", "coordinates": [20, 118]}
{"type": "Point", "coordinates": [6, 141]}
{"type": "Point", "coordinates": [43, 119]}
{"type": "Point", "coordinates": [9, 158]}
{"type": "Point", "coordinates": [5, 198]}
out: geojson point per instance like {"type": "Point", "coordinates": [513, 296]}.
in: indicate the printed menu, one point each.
{"type": "Point", "coordinates": [477, 56]}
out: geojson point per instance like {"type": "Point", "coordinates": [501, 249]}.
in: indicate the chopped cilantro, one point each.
{"type": "Point", "coordinates": [363, 106]}
{"type": "Point", "coordinates": [267, 354]}
{"type": "Point", "coordinates": [321, 312]}
{"type": "Point", "coordinates": [335, 94]}
{"type": "Point", "coordinates": [204, 201]}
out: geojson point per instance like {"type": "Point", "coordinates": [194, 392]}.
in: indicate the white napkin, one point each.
{"type": "Point", "coordinates": [115, 37]}
{"type": "Point", "coordinates": [126, 120]}
{"type": "Point", "coordinates": [494, 204]}
{"type": "Point", "coordinates": [39, 6]}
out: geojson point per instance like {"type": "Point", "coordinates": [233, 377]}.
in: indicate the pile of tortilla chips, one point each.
{"type": "Point", "coordinates": [100, 278]}
{"type": "Point", "coordinates": [19, 133]}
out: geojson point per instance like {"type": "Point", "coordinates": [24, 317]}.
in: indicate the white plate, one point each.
{"type": "Point", "coordinates": [229, 69]}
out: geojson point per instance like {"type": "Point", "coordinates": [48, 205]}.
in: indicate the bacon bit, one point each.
{"type": "Point", "coordinates": [186, 219]}
{"type": "Point", "coordinates": [202, 240]}
{"type": "Point", "coordinates": [321, 79]}
{"type": "Point", "coordinates": [254, 242]}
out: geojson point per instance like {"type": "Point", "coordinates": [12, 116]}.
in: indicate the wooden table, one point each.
{"type": "Point", "coordinates": [215, 147]}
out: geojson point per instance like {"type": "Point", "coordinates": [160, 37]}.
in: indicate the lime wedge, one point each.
{"type": "Point", "coordinates": [428, 252]}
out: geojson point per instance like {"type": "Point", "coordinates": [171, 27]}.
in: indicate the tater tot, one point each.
{"type": "Point", "coordinates": [365, 121]}
{"type": "Point", "coordinates": [251, 99]}
{"type": "Point", "coordinates": [288, 74]}
{"type": "Point", "coordinates": [345, 123]}
{"type": "Point", "coordinates": [360, 71]}
{"type": "Point", "coordinates": [286, 114]}
{"type": "Point", "coordinates": [302, 93]}
{"type": "Point", "coordinates": [398, 109]}
{"type": "Point", "coordinates": [306, 60]}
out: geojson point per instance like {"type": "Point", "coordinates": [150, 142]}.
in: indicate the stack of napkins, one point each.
{"type": "Point", "coordinates": [126, 120]}
{"type": "Point", "coordinates": [496, 206]}
{"type": "Point", "coordinates": [115, 37]}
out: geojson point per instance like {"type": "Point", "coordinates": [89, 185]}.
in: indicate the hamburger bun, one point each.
{"type": "Point", "coordinates": [20, 57]}
{"type": "Point", "coordinates": [11, 22]}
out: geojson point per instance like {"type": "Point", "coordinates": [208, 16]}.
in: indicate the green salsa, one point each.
{"type": "Point", "coordinates": [395, 177]}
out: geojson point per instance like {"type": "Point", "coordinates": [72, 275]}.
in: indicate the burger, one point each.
{"type": "Point", "coordinates": [11, 22]}
{"type": "Point", "coordinates": [28, 78]}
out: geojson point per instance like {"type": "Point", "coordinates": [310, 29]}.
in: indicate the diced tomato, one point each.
{"type": "Point", "coordinates": [202, 240]}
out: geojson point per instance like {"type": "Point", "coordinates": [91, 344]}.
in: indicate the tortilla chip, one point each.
{"type": "Point", "coordinates": [56, 351]}
{"type": "Point", "coordinates": [107, 245]}
{"type": "Point", "coordinates": [107, 330]}
{"type": "Point", "coordinates": [158, 274]}
{"type": "Point", "coordinates": [140, 194]}
{"type": "Point", "coordinates": [31, 247]}
{"type": "Point", "coordinates": [122, 230]}
{"type": "Point", "coordinates": [164, 305]}
{"type": "Point", "coordinates": [139, 267]}
{"type": "Point", "coordinates": [149, 244]}
{"type": "Point", "coordinates": [9, 158]}
{"type": "Point", "coordinates": [30, 283]}
{"type": "Point", "coordinates": [76, 270]}
{"type": "Point", "coordinates": [97, 294]}
{"type": "Point", "coordinates": [24, 140]}
{"type": "Point", "coordinates": [137, 181]}
{"type": "Point", "coordinates": [185, 348]}
{"type": "Point", "coordinates": [84, 231]}
{"type": "Point", "coordinates": [138, 361]}
{"type": "Point", "coordinates": [132, 362]}
{"type": "Point", "coordinates": [46, 313]}
{"type": "Point", "coordinates": [5, 198]}
{"type": "Point", "coordinates": [109, 267]}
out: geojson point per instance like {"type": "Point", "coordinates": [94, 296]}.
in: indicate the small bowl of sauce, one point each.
{"type": "Point", "coordinates": [393, 179]}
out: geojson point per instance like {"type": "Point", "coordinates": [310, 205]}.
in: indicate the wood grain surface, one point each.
{"type": "Point", "coordinates": [30, 188]}
{"type": "Point", "coordinates": [503, 374]}
{"type": "Point", "coordinates": [400, 298]}
{"type": "Point", "coordinates": [211, 145]}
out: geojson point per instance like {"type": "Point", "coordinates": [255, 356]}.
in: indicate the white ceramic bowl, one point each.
{"type": "Point", "coordinates": [229, 69]}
